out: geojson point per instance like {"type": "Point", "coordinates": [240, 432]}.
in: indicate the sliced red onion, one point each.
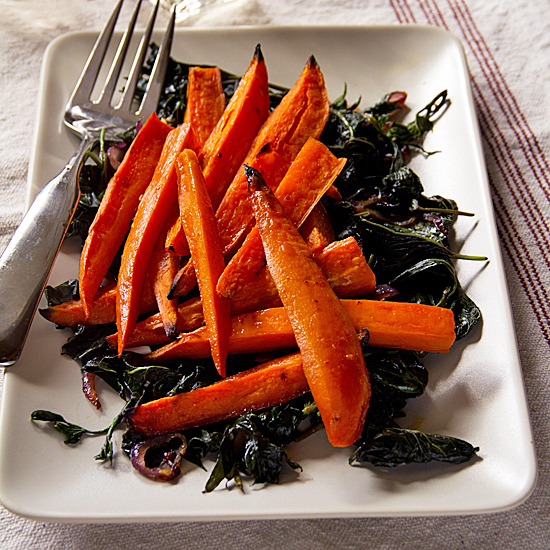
{"type": "Point", "coordinates": [88, 387]}
{"type": "Point", "coordinates": [382, 292]}
{"type": "Point", "coordinates": [159, 458]}
{"type": "Point", "coordinates": [397, 97]}
{"type": "Point", "coordinates": [437, 221]}
{"type": "Point", "coordinates": [115, 154]}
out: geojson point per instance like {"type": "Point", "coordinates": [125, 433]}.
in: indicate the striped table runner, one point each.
{"type": "Point", "coordinates": [508, 50]}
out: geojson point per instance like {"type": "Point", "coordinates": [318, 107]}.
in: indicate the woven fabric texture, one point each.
{"type": "Point", "coordinates": [507, 48]}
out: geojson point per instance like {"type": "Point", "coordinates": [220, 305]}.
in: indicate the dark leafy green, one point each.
{"type": "Point", "coordinates": [74, 433]}
{"type": "Point", "coordinates": [395, 446]}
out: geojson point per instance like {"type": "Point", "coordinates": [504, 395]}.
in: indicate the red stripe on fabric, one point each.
{"type": "Point", "coordinates": [512, 108]}
{"type": "Point", "coordinates": [513, 114]}
{"type": "Point", "coordinates": [511, 175]}
{"type": "Point", "coordinates": [433, 18]}
{"type": "Point", "coordinates": [510, 170]}
{"type": "Point", "coordinates": [534, 287]}
{"type": "Point", "coordinates": [402, 11]}
{"type": "Point", "coordinates": [519, 267]}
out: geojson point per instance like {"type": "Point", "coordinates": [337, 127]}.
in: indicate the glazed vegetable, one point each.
{"type": "Point", "coordinates": [205, 100]}
{"type": "Point", "coordinates": [71, 313]}
{"type": "Point", "coordinates": [309, 177]}
{"type": "Point", "coordinates": [269, 384]}
{"type": "Point", "coordinates": [342, 262]}
{"type": "Point", "coordinates": [229, 142]}
{"type": "Point", "coordinates": [119, 205]}
{"type": "Point", "coordinates": [199, 223]}
{"type": "Point", "coordinates": [159, 197]}
{"type": "Point", "coordinates": [151, 331]}
{"type": "Point", "coordinates": [163, 267]}
{"type": "Point", "coordinates": [301, 114]}
{"type": "Point", "coordinates": [317, 230]}
{"type": "Point", "coordinates": [333, 360]}
{"type": "Point", "coordinates": [390, 325]}
{"type": "Point", "coordinates": [184, 281]}
{"type": "Point", "coordinates": [231, 139]}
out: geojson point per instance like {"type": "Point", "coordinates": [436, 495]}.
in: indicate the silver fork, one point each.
{"type": "Point", "coordinates": [27, 260]}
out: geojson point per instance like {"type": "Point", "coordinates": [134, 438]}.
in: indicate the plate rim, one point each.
{"type": "Point", "coordinates": [76, 35]}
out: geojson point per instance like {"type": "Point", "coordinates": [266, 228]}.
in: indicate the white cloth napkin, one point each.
{"type": "Point", "coordinates": [508, 52]}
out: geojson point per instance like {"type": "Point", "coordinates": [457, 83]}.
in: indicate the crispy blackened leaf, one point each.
{"type": "Point", "coordinates": [396, 446]}
{"type": "Point", "coordinates": [395, 376]}
{"type": "Point", "coordinates": [87, 342]}
{"type": "Point", "coordinates": [260, 458]}
{"type": "Point", "coordinates": [388, 105]}
{"type": "Point", "coordinates": [401, 188]}
{"type": "Point", "coordinates": [434, 282]}
{"type": "Point", "coordinates": [343, 119]}
{"type": "Point", "coordinates": [128, 374]}
{"type": "Point", "coordinates": [467, 313]}
{"type": "Point", "coordinates": [73, 432]}
{"type": "Point", "coordinates": [226, 466]}
{"type": "Point", "coordinates": [65, 292]}
{"type": "Point", "coordinates": [289, 421]}
{"type": "Point", "coordinates": [245, 449]}
{"type": "Point", "coordinates": [395, 248]}
{"type": "Point", "coordinates": [201, 442]}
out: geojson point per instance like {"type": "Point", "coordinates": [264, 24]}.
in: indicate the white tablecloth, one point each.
{"type": "Point", "coordinates": [508, 50]}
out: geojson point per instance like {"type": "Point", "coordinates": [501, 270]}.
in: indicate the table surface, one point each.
{"type": "Point", "coordinates": [508, 56]}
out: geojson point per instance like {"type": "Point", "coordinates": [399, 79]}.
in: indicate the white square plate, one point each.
{"type": "Point", "coordinates": [475, 392]}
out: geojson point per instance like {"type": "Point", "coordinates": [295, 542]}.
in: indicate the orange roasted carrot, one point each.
{"type": "Point", "coordinates": [151, 331]}
{"type": "Point", "coordinates": [229, 142]}
{"type": "Point", "coordinates": [398, 325]}
{"type": "Point", "coordinates": [310, 175]}
{"type": "Point", "coordinates": [317, 229]}
{"type": "Point", "coordinates": [346, 268]}
{"type": "Point", "coordinates": [199, 223]}
{"type": "Point", "coordinates": [342, 262]}
{"type": "Point", "coordinates": [184, 281]}
{"type": "Point", "coordinates": [176, 241]}
{"type": "Point", "coordinates": [205, 105]}
{"type": "Point", "coordinates": [205, 100]}
{"type": "Point", "coordinates": [332, 357]}
{"type": "Point", "coordinates": [266, 385]}
{"type": "Point", "coordinates": [102, 309]}
{"type": "Point", "coordinates": [114, 217]}
{"type": "Point", "coordinates": [301, 114]}
{"type": "Point", "coordinates": [250, 332]}
{"type": "Point", "coordinates": [160, 195]}
{"type": "Point", "coordinates": [163, 267]}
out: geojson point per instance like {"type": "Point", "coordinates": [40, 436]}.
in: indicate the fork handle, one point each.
{"type": "Point", "coordinates": [26, 262]}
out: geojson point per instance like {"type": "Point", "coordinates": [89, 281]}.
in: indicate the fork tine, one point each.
{"type": "Point", "coordinates": [158, 74]}
{"type": "Point", "coordinates": [139, 60]}
{"type": "Point", "coordinates": [118, 61]}
{"type": "Point", "coordinates": [89, 74]}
